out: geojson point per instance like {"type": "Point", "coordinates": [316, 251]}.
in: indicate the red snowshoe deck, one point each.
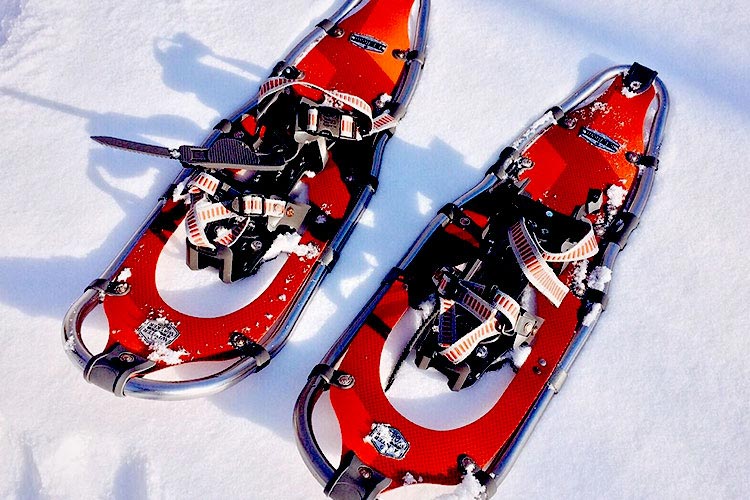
{"type": "Point", "coordinates": [348, 64]}
{"type": "Point", "coordinates": [589, 163]}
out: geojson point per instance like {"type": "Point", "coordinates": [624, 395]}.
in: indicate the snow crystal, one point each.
{"type": "Point", "coordinates": [468, 489]}
{"type": "Point", "coordinates": [383, 99]}
{"type": "Point", "coordinates": [289, 243]}
{"type": "Point", "coordinates": [520, 354]}
{"type": "Point", "coordinates": [592, 315]}
{"type": "Point", "coordinates": [615, 197]}
{"type": "Point", "coordinates": [578, 283]}
{"type": "Point", "coordinates": [70, 344]}
{"type": "Point", "coordinates": [599, 277]}
{"type": "Point", "coordinates": [409, 479]}
{"type": "Point", "coordinates": [601, 106]}
{"type": "Point", "coordinates": [179, 192]}
{"type": "Point", "coordinates": [166, 355]}
{"type": "Point", "coordinates": [124, 275]}
{"type": "Point", "coordinates": [282, 297]}
{"type": "Point", "coordinates": [628, 93]}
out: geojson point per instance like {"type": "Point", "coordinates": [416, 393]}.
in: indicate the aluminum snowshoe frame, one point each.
{"type": "Point", "coordinates": [344, 482]}
{"type": "Point", "coordinates": [126, 382]}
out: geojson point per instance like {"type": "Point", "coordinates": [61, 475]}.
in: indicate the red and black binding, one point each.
{"type": "Point", "coordinates": [510, 278]}
{"type": "Point", "coordinates": [271, 196]}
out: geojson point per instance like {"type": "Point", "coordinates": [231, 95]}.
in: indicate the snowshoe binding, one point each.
{"type": "Point", "coordinates": [494, 300]}
{"type": "Point", "coordinates": [268, 201]}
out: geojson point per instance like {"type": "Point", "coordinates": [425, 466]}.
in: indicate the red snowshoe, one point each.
{"type": "Point", "coordinates": [487, 311]}
{"type": "Point", "coordinates": [267, 202]}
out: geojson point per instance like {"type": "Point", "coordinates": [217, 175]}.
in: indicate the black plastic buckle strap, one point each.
{"type": "Point", "coordinates": [561, 118]}
{"type": "Point", "coordinates": [447, 333]}
{"type": "Point", "coordinates": [230, 153]}
{"type": "Point", "coordinates": [458, 217]}
{"type": "Point", "coordinates": [354, 480]}
{"type": "Point", "coordinates": [416, 55]}
{"type": "Point", "coordinates": [111, 369]}
{"type": "Point", "coordinates": [250, 349]}
{"type": "Point", "coordinates": [499, 166]}
{"type": "Point", "coordinates": [108, 287]}
{"type": "Point", "coordinates": [621, 228]}
{"type": "Point", "coordinates": [327, 25]}
{"type": "Point", "coordinates": [643, 160]}
{"type": "Point", "coordinates": [595, 296]}
{"type": "Point", "coordinates": [331, 377]}
{"type": "Point", "coordinates": [639, 78]}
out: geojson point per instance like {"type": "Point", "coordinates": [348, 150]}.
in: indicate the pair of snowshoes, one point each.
{"type": "Point", "coordinates": [498, 294]}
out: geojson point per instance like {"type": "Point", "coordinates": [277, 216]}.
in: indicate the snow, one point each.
{"type": "Point", "coordinates": [409, 479]}
{"type": "Point", "coordinates": [469, 489]}
{"type": "Point", "coordinates": [124, 275]}
{"type": "Point", "coordinates": [592, 315]}
{"type": "Point", "coordinates": [616, 196]}
{"type": "Point", "coordinates": [166, 355]}
{"type": "Point", "coordinates": [647, 410]}
{"type": "Point", "coordinates": [599, 277]}
{"type": "Point", "coordinates": [578, 282]}
{"type": "Point", "coordinates": [288, 243]}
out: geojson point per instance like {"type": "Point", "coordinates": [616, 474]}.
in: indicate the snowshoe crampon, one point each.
{"type": "Point", "coordinates": [487, 311]}
{"type": "Point", "coordinates": [265, 204]}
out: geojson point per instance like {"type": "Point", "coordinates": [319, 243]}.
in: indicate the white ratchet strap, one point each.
{"type": "Point", "coordinates": [383, 122]}
{"type": "Point", "coordinates": [202, 212]}
{"type": "Point", "coordinates": [484, 311]}
{"type": "Point", "coordinates": [532, 259]}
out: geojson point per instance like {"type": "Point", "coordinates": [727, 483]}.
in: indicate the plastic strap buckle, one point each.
{"type": "Point", "coordinates": [111, 369]}
{"type": "Point", "coordinates": [354, 480]}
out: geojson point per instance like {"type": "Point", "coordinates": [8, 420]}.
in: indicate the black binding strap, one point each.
{"type": "Point", "coordinates": [327, 25]}
{"type": "Point", "coordinates": [638, 78]}
{"type": "Point", "coordinates": [416, 55]}
{"type": "Point", "coordinates": [331, 377]}
{"type": "Point", "coordinates": [250, 349]}
{"type": "Point", "coordinates": [595, 296]}
{"type": "Point", "coordinates": [111, 369]}
{"type": "Point", "coordinates": [499, 166]}
{"type": "Point", "coordinates": [458, 217]}
{"type": "Point", "coordinates": [642, 160]}
{"type": "Point", "coordinates": [557, 113]}
{"type": "Point", "coordinates": [621, 228]}
{"type": "Point", "coordinates": [354, 480]}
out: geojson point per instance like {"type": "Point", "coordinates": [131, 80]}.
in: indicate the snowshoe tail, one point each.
{"type": "Point", "coordinates": [515, 273]}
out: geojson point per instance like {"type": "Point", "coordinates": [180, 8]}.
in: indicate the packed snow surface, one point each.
{"type": "Point", "coordinates": [647, 411]}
